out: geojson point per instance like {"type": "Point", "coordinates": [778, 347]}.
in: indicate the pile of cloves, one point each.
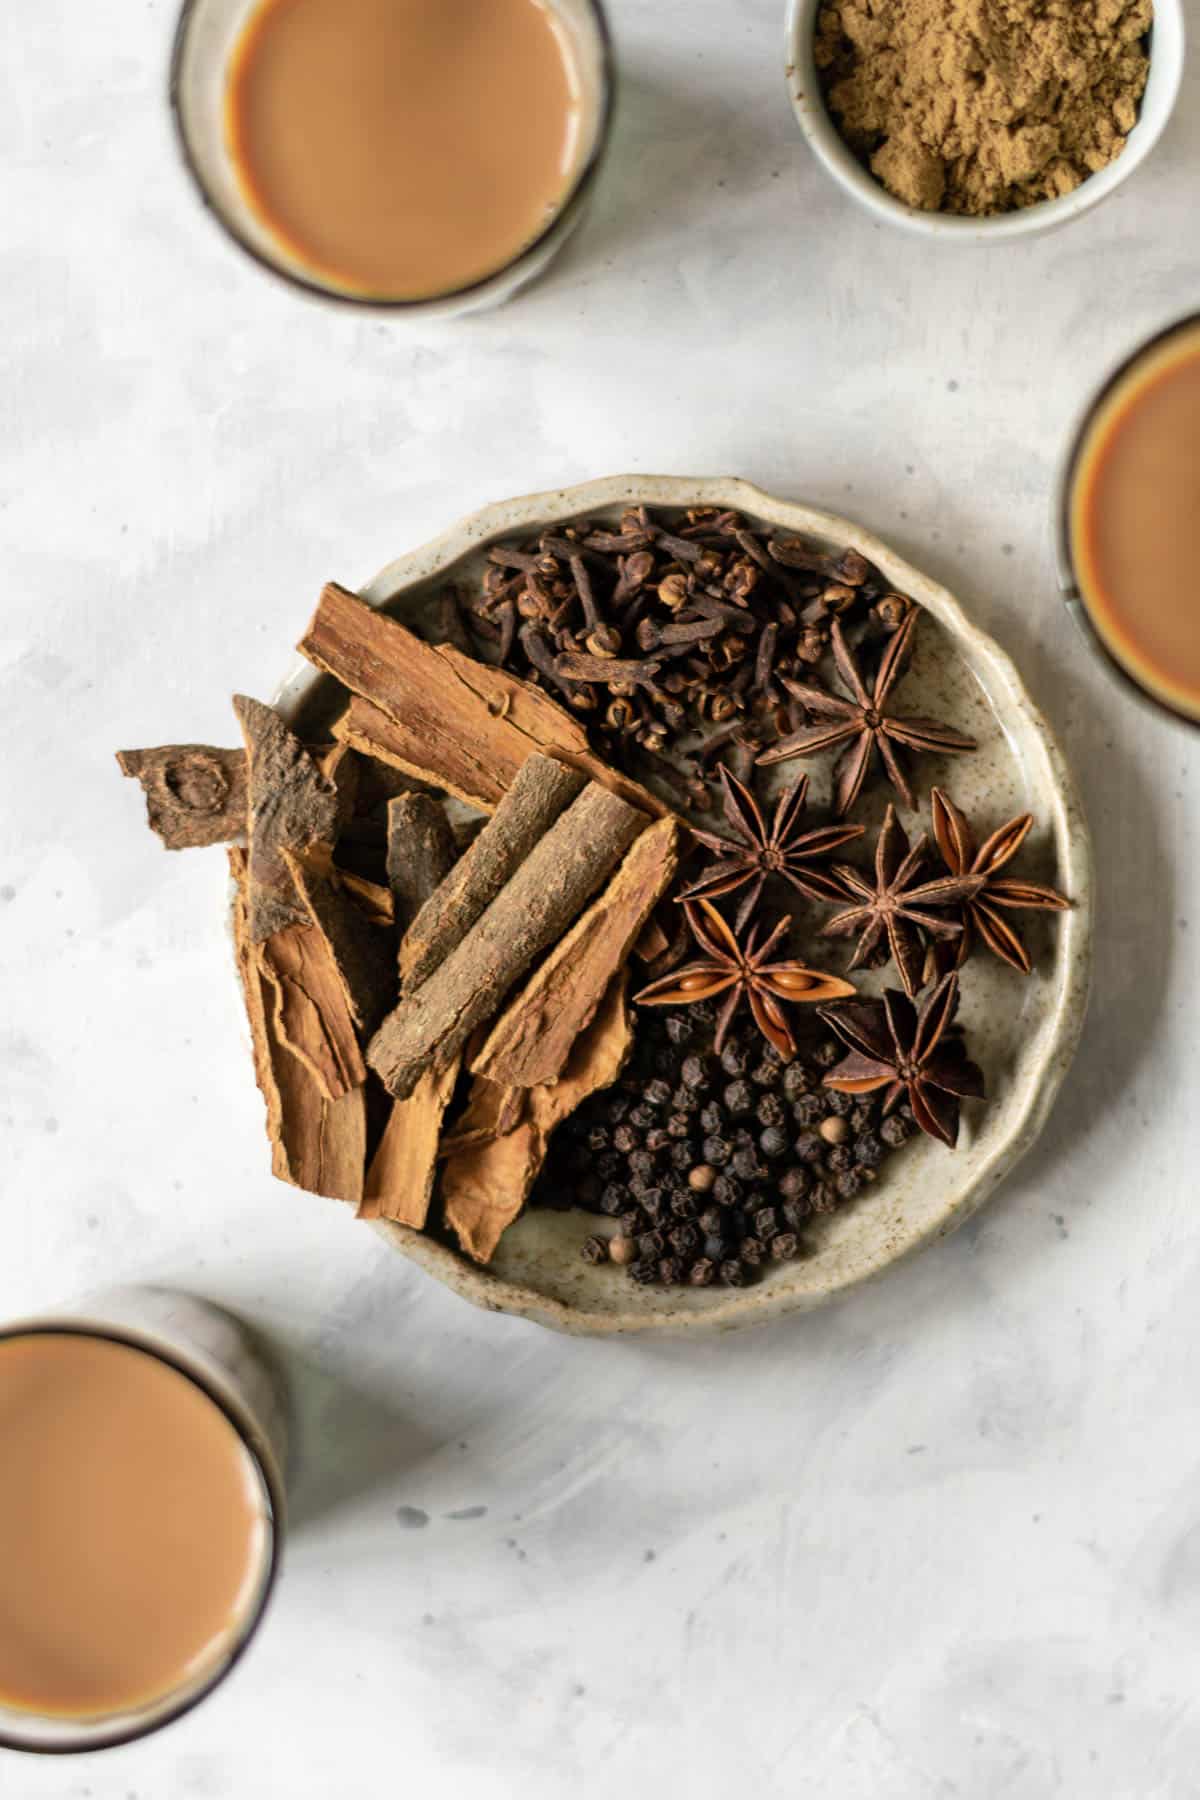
{"type": "Point", "coordinates": [673, 642]}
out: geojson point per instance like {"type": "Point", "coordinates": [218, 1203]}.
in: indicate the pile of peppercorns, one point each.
{"type": "Point", "coordinates": [711, 1167]}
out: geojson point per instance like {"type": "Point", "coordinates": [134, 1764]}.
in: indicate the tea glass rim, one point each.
{"type": "Point", "coordinates": [316, 289]}
{"type": "Point", "coordinates": [1070, 586]}
{"type": "Point", "coordinates": [243, 1425]}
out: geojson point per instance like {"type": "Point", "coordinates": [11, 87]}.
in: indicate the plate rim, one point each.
{"type": "Point", "coordinates": [1072, 837]}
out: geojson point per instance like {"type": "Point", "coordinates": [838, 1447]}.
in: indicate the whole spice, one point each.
{"type": "Point", "coordinates": [984, 908]}
{"type": "Point", "coordinates": [292, 806]}
{"type": "Point", "coordinates": [907, 1053]}
{"type": "Point", "coordinates": [784, 848]}
{"type": "Point", "coordinates": [982, 106]}
{"type": "Point", "coordinates": [420, 852]}
{"type": "Point", "coordinates": [195, 794]}
{"type": "Point", "coordinates": [864, 722]}
{"type": "Point", "coordinates": [896, 908]}
{"type": "Point", "coordinates": [742, 971]}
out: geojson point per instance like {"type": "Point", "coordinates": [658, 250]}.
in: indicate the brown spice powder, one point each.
{"type": "Point", "coordinates": [983, 106]}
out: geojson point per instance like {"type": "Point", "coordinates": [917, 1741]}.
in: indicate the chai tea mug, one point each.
{"type": "Point", "coordinates": [207, 38]}
{"type": "Point", "coordinates": [1072, 579]}
{"type": "Point", "coordinates": [221, 1357]}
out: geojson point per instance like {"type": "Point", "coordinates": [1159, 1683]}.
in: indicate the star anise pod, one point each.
{"type": "Point", "coordinates": [784, 848]}
{"type": "Point", "coordinates": [896, 906]}
{"type": "Point", "coordinates": [742, 971]}
{"type": "Point", "coordinates": [892, 1045]}
{"type": "Point", "coordinates": [864, 722]}
{"type": "Point", "coordinates": [984, 910]}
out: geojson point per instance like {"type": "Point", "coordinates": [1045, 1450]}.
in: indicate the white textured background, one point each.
{"type": "Point", "coordinates": [941, 1540]}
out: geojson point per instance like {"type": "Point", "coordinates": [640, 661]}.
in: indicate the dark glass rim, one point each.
{"type": "Point", "coordinates": [1072, 587]}
{"type": "Point", "coordinates": [317, 290]}
{"type": "Point", "coordinates": [263, 1463]}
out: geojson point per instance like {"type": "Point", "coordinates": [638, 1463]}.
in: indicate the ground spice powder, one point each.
{"type": "Point", "coordinates": [983, 106]}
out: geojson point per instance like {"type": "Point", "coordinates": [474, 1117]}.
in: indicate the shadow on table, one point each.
{"type": "Point", "coordinates": [364, 1440]}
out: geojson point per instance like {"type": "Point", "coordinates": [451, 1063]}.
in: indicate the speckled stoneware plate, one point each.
{"type": "Point", "coordinates": [1022, 1030]}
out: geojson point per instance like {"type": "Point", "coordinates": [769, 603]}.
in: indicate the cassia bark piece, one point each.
{"type": "Point", "coordinates": [292, 805]}
{"type": "Point", "coordinates": [534, 909]}
{"type": "Point", "coordinates": [195, 794]}
{"type": "Point", "coordinates": [421, 852]}
{"type": "Point", "coordinates": [400, 1179]}
{"type": "Point", "coordinates": [540, 792]}
{"type": "Point", "coordinates": [532, 1039]}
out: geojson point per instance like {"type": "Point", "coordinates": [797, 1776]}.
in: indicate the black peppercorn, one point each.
{"type": "Point", "coordinates": [827, 1052]}
{"type": "Point", "coordinates": [657, 1093]}
{"type": "Point", "coordinates": [796, 1081]}
{"type": "Point", "coordinates": [678, 1126]}
{"type": "Point", "coordinates": [773, 1142]}
{"type": "Point", "coordinates": [651, 1243]}
{"type": "Point", "coordinates": [683, 1238]}
{"type": "Point", "coordinates": [670, 1271]}
{"type": "Point", "coordinates": [727, 1190]}
{"type": "Point", "coordinates": [863, 1116]}
{"type": "Point", "coordinates": [895, 1131]}
{"type": "Point", "coordinates": [678, 1028]}
{"type": "Point", "coordinates": [625, 1139]}
{"type": "Point", "coordinates": [766, 1223]}
{"type": "Point", "coordinates": [822, 1198]}
{"type": "Point", "coordinates": [658, 1138]}
{"type": "Point", "coordinates": [793, 1183]}
{"type": "Point", "coordinates": [851, 1184]}
{"type": "Point", "coordinates": [644, 1272]}
{"type": "Point", "coordinates": [732, 1273]}
{"type": "Point", "coordinates": [753, 1252]}
{"type": "Point", "coordinates": [717, 1151]}
{"type": "Point", "coordinates": [642, 1118]}
{"type": "Point", "coordinates": [682, 1156]}
{"type": "Point", "coordinates": [654, 1204]}
{"type": "Point", "coordinates": [747, 1165]}
{"type": "Point", "coordinates": [808, 1147]}
{"type": "Point", "coordinates": [595, 1250]}
{"type": "Point", "coordinates": [771, 1110]}
{"type": "Point", "coordinates": [632, 1221]}
{"type": "Point", "coordinates": [712, 1119]}
{"type": "Point", "coordinates": [684, 1206]}
{"type": "Point", "coordinates": [641, 1163]}
{"type": "Point", "coordinates": [614, 1198]}
{"type": "Point", "coordinates": [715, 1247]}
{"type": "Point", "coordinates": [597, 1138]}
{"type": "Point", "coordinates": [710, 1221]}
{"type": "Point", "coordinates": [702, 1273]}
{"type": "Point", "coordinates": [840, 1105]}
{"type": "Point", "coordinates": [739, 1099]}
{"type": "Point", "coordinates": [685, 1100]}
{"type": "Point", "coordinates": [809, 1110]}
{"type": "Point", "coordinates": [795, 1213]}
{"type": "Point", "coordinates": [765, 1074]}
{"type": "Point", "coordinates": [869, 1151]}
{"type": "Point", "coordinates": [839, 1159]}
{"type": "Point", "coordinates": [785, 1246]}
{"type": "Point", "coordinates": [617, 1107]}
{"type": "Point", "coordinates": [694, 1073]}
{"type": "Point", "coordinates": [735, 1059]}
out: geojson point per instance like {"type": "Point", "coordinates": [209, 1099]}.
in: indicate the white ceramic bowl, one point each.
{"type": "Point", "coordinates": [836, 157]}
{"type": "Point", "coordinates": [1023, 1031]}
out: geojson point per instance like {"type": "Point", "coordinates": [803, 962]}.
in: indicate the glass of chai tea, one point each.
{"type": "Point", "coordinates": [425, 155]}
{"type": "Point", "coordinates": [1129, 521]}
{"type": "Point", "coordinates": [141, 1514]}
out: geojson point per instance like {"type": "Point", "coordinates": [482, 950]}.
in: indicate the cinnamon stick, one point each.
{"type": "Point", "coordinates": [316, 1143]}
{"type": "Point", "coordinates": [532, 911]}
{"type": "Point", "coordinates": [195, 794]}
{"type": "Point", "coordinates": [360, 955]}
{"type": "Point", "coordinates": [400, 1178]}
{"type": "Point", "coordinates": [532, 1039]}
{"type": "Point", "coordinates": [485, 1186]}
{"type": "Point", "coordinates": [541, 790]}
{"type": "Point", "coordinates": [439, 715]}
{"type": "Point", "coordinates": [491, 1111]}
{"type": "Point", "coordinates": [309, 1011]}
{"type": "Point", "coordinates": [292, 805]}
{"type": "Point", "coordinates": [421, 852]}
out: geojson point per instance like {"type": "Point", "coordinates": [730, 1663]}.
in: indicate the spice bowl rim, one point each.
{"type": "Point", "coordinates": [1167, 56]}
{"type": "Point", "coordinates": [400, 589]}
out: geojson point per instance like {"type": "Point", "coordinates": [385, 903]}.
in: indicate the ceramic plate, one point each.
{"type": "Point", "coordinates": [1022, 1030]}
